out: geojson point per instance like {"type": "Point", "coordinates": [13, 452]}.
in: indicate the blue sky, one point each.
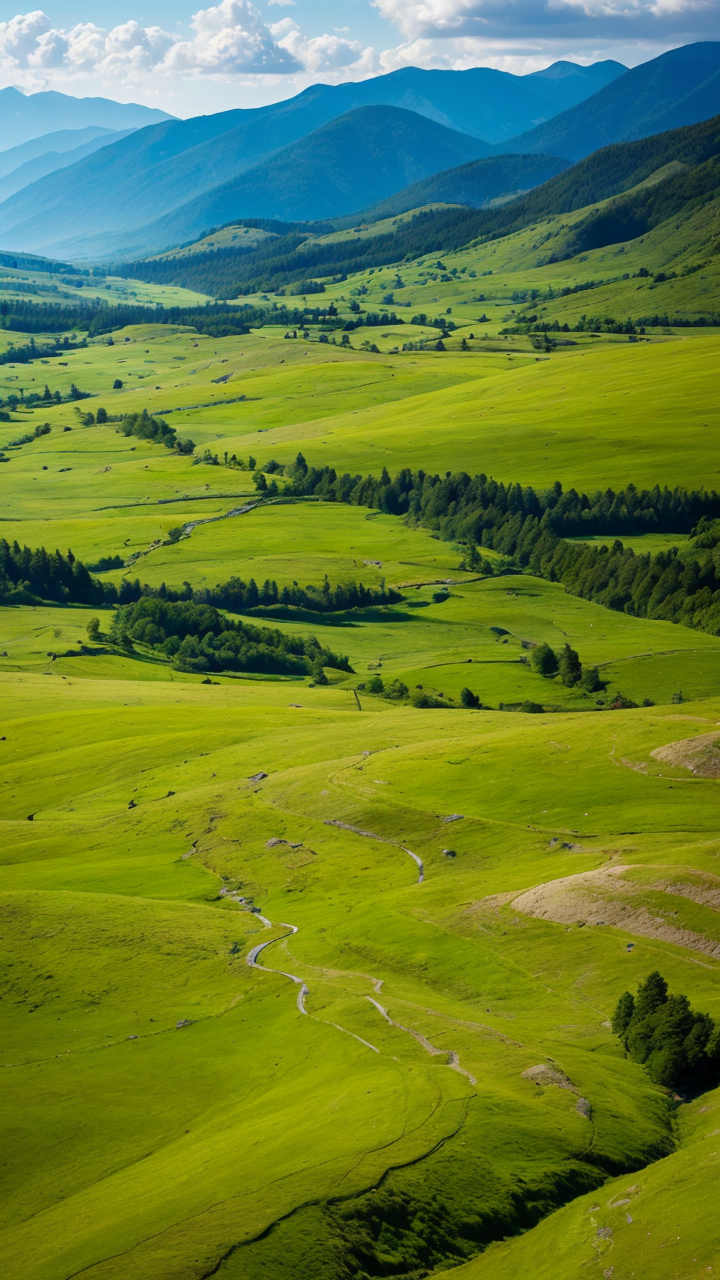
{"type": "Point", "coordinates": [192, 58]}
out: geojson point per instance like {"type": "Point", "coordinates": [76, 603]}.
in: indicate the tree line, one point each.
{"type": "Point", "coordinates": [239, 596]}
{"type": "Point", "coordinates": [285, 261]}
{"type": "Point", "coordinates": [526, 527]}
{"type": "Point", "coordinates": [98, 317]}
{"type": "Point", "coordinates": [30, 351]}
{"type": "Point", "coordinates": [30, 576]}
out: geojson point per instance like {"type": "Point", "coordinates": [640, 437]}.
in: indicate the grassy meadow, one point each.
{"type": "Point", "coordinates": [439, 1091]}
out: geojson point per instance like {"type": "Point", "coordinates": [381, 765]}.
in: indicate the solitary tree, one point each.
{"type": "Point", "coordinates": [469, 699]}
{"type": "Point", "coordinates": [569, 666]}
{"type": "Point", "coordinates": [544, 660]}
{"type": "Point", "coordinates": [93, 629]}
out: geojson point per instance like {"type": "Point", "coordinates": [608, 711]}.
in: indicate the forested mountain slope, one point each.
{"type": "Point", "coordinates": [475, 184]}
{"type": "Point", "coordinates": [366, 152]}
{"type": "Point", "coordinates": [680, 87]}
{"type": "Point", "coordinates": [683, 158]}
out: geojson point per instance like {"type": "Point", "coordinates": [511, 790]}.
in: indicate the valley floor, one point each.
{"type": "Point", "coordinates": [303, 983]}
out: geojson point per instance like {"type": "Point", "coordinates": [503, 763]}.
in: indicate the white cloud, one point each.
{"type": "Point", "coordinates": [231, 55]}
{"type": "Point", "coordinates": [548, 19]}
{"type": "Point", "coordinates": [228, 39]}
{"type": "Point", "coordinates": [321, 54]}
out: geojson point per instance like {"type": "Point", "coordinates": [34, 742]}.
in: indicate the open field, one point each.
{"type": "Point", "coordinates": [121, 881]}
{"type": "Point", "coordinates": [587, 417]}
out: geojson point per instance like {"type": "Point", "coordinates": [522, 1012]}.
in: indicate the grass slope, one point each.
{"type": "Point", "coordinates": [206, 1146]}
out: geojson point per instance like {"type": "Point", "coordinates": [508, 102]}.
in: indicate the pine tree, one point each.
{"type": "Point", "coordinates": [569, 667]}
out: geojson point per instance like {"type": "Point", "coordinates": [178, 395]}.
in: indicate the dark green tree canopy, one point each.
{"type": "Point", "coordinates": [679, 1048]}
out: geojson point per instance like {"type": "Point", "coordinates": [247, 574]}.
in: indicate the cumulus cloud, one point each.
{"type": "Point", "coordinates": [325, 53]}
{"type": "Point", "coordinates": [611, 19]}
{"type": "Point", "coordinates": [228, 39]}
{"type": "Point", "coordinates": [231, 46]}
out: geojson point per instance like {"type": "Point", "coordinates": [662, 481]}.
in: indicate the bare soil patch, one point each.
{"type": "Point", "coordinates": [605, 897]}
{"type": "Point", "coordinates": [700, 755]}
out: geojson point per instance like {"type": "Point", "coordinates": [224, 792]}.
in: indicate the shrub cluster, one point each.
{"type": "Point", "coordinates": [145, 427]}
{"type": "Point", "coordinates": [679, 1048]}
{"type": "Point", "coordinates": [199, 638]}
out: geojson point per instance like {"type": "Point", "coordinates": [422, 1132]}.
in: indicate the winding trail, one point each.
{"type": "Point", "coordinates": [303, 992]}
{"type": "Point", "coordinates": [358, 831]}
{"type": "Point", "coordinates": [255, 952]}
{"type": "Point", "coordinates": [450, 1055]}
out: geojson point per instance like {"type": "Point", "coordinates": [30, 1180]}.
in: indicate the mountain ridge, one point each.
{"type": "Point", "coordinates": [28, 116]}
{"type": "Point", "coordinates": [134, 182]}
{"type": "Point", "coordinates": [680, 87]}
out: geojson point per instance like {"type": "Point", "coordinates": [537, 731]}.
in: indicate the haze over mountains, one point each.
{"type": "Point", "coordinates": [335, 149]}
{"type": "Point", "coordinates": [27, 116]}
{"type": "Point", "coordinates": [18, 172]}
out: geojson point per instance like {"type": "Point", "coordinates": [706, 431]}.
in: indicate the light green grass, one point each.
{"type": "Point", "coordinates": [205, 1150]}
{"type": "Point", "coordinates": [599, 416]}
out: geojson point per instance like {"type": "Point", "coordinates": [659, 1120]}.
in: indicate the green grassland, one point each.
{"type": "Point", "coordinates": [24, 285]}
{"type": "Point", "coordinates": [226, 238]}
{"type": "Point", "coordinates": [588, 416]}
{"type": "Point", "coordinates": [173, 1113]}
{"type": "Point", "coordinates": [118, 935]}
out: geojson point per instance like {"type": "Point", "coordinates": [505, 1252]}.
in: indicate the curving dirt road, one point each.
{"type": "Point", "coordinates": [255, 952]}
{"type": "Point", "coordinates": [358, 831]}
{"type": "Point", "coordinates": [451, 1057]}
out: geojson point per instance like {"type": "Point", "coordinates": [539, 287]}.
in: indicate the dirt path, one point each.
{"type": "Point", "coordinates": [255, 952]}
{"type": "Point", "coordinates": [451, 1058]}
{"type": "Point", "coordinates": [252, 960]}
{"type": "Point", "coordinates": [358, 831]}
